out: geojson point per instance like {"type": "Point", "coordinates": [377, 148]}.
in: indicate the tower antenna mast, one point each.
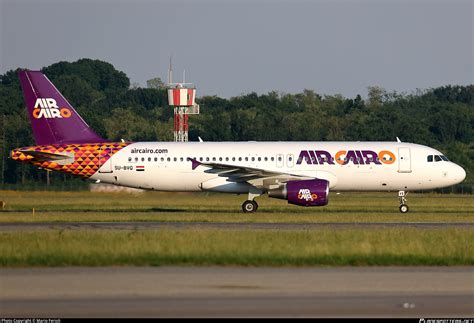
{"type": "Point", "coordinates": [170, 71]}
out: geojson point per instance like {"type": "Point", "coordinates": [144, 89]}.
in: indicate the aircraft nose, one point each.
{"type": "Point", "coordinates": [459, 174]}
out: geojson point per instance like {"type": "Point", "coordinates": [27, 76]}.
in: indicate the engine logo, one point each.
{"type": "Point", "coordinates": [305, 194]}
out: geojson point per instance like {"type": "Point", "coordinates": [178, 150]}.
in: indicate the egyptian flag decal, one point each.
{"type": "Point", "coordinates": [140, 168]}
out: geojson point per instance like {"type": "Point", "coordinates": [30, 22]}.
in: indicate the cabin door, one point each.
{"type": "Point", "coordinates": [105, 155]}
{"type": "Point", "coordinates": [404, 160]}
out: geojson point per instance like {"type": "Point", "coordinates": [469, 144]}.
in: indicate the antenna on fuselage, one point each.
{"type": "Point", "coordinates": [398, 139]}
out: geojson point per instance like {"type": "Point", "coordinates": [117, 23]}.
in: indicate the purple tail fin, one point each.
{"type": "Point", "coordinates": [53, 119]}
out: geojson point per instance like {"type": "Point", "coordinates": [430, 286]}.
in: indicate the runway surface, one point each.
{"type": "Point", "coordinates": [223, 225]}
{"type": "Point", "coordinates": [237, 292]}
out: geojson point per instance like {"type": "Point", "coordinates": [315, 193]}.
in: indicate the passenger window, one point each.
{"type": "Point", "coordinates": [156, 158]}
{"type": "Point", "coordinates": [149, 159]}
{"type": "Point", "coordinates": [143, 158]}
{"type": "Point", "coordinates": [181, 159]}
{"type": "Point", "coordinates": [213, 158]}
{"type": "Point", "coordinates": [437, 158]}
{"type": "Point", "coordinates": [430, 158]}
{"type": "Point", "coordinates": [168, 159]}
{"type": "Point", "coordinates": [129, 159]}
{"type": "Point", "coordinates": [207, 158]}
{"type": "Point", "coordinates": [265, 158]}
{"type": "Point", "coordinates": [200, 158]}
{"type": "Point", "coordinates": [136, 159]}
{"type": "Point", "coordinates": [240, 158]}
{"type": "Point", "coordinates": [246, 159]}
{"type": "Point", "coordinates": [175, 159]}
{"type": "Point", "coordinates": [273, 158]}
{"type": "Point", "coordinates": [220, 158]}
{"type": "Point", "coordinates": [253, 158]}
{"type": "Point", "coordinates": [259, 158]}
{"type": "Point", "coordinates": [227, 159]}
{"type": "Point", "coordinates": [233, 158]}
{"type": "Point", "coordinates": [162, 159]}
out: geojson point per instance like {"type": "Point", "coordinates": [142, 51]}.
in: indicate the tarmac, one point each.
{"type": "Point", "coordinates": [420, 292]}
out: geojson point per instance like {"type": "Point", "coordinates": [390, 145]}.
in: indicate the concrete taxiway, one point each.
{"type": "Point", "coordinates": [237, 292]}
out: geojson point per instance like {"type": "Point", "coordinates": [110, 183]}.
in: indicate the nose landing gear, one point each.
{"type": "Point", "coordinates": [402, 197]}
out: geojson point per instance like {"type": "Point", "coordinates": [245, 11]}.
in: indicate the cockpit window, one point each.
{"type": "Point", "coordinates": [436, 158]}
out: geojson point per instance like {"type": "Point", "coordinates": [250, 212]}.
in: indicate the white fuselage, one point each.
{"type": "Point", "coordinates": [164, 166]}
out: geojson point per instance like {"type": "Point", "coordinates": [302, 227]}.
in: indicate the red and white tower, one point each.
{"type": "Point", "coordinates": [181, 96]}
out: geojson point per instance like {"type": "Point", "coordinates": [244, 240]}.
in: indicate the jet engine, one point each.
{"type": "Point", "coordinates": [312, 192]}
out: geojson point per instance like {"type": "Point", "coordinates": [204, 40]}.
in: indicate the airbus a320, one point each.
{"type": "Point", "coordinates": [303, 173]}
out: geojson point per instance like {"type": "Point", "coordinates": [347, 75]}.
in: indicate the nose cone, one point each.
{"type": "Point", "coordinates": [458, 173]}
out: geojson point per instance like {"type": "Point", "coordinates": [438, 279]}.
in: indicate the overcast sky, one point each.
{"type": "Point", "coordinates": [232, 47]}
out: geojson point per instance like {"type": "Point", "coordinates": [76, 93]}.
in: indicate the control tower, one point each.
{"type": "Point", "coordinates": [181, 96]}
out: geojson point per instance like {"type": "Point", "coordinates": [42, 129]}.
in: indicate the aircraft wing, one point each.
{"type": "Point", "coordinates": [258, 177]}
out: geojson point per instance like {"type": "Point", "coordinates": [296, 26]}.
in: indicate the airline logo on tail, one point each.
{"type": "Point", "coordinates": [48, 108]}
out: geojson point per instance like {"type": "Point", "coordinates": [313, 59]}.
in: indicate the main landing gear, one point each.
{"type": "Point", "coordinates": [251, 206]}
{"type": "Point", "coordinates": [402, 197]}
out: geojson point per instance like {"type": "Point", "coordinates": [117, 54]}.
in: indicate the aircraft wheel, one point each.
{"type": "Point", "coordinates": [249, 206]}
{"type": "Point", "coordinates": [404, 208]}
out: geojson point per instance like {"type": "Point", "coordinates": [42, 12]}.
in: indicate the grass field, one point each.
{"type": "Point", "coordinates": [245, 247]}
{"type": "Point", "coordinates": [239, 247]}
{"type": "Point", "coordinates": [154, 206]}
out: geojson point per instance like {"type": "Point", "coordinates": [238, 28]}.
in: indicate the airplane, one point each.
{"type": "Point", "coordinates": [302, 173]}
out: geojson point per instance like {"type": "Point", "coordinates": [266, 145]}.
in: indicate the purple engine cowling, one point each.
{"type": "Point", "coordinates": [313, 192]}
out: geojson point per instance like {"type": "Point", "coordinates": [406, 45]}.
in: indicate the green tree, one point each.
{"type": "Point", "coordinates": [155, 83]}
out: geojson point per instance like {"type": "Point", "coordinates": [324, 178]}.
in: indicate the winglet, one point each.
{"type": "Point", "coordinates": [194, 162]}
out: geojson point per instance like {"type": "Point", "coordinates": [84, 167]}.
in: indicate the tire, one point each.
{"type": "Point", "coordinates": [403, 208]}
{"type": "Point", "coordinates": [249, 206]}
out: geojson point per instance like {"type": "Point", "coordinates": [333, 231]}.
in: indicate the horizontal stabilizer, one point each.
{"type": "Point", "coordinates": [62, 159]}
